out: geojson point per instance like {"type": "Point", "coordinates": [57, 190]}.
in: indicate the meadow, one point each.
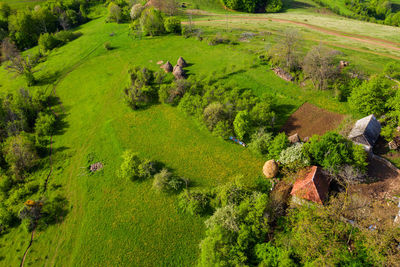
{"type": "Point", "coordinates": [113, 222]}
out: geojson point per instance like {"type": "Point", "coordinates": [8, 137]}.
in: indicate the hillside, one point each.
{"type": "Point", "coordinates": [116, 222]}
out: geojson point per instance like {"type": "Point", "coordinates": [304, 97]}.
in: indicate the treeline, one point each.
{"type": "Point", "coordinates": [26, 124]}
{"type": "Point", "coordinates": [376, 11]}
{"type": "Point", "coordinates": [25, 26]}
{"type": "Point", "coordinates": [254, 6]}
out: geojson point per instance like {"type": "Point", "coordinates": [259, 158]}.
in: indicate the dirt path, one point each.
{"type": "Point", "coordinates": [356, 37]}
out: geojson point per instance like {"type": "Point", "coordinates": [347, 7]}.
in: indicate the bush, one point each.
{"type": "Point", "coordinates": [142, 90]}
{"type": "Point", "coordinates": [172, 25]}
{"type": "Point", "coordinates": [67, 36]}
{"type": "Point", "coordinates": [107, 46]}
{"type": "Point", "coordinates": [294, 156]}
{"type": "Point", "coordinates": [133, 168]}
{"type": "Point", "coordinates": [213, 114]}
{"type": "Point", "coordinates": [5, 218]}
{"type": "Point", "coordinates": [260, 142]}
{"type": "Point", "coordinates": [47, 42]}
{"type": "Point", "coordinates": [166, 181]}
{"type": "Point", "coordinates": [274, 6]}
{"type": "Point", "coordinates": [5, 183]}
{"type": "Point", "coordinates": [279, 143]}
{"type": "Point", "coordinates": [195, 203]}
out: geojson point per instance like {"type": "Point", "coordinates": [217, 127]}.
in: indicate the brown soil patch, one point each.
{"type": "Point", "coordinates": [386, 177]}
{"type": "Point", "coordinates": [309, 120]}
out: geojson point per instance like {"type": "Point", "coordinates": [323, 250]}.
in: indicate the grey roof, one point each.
{"type": "Point", "coordinates": [368, 127]}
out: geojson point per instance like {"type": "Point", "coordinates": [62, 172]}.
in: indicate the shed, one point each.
{"type": "Point", "coordinates": [314, 186]}
{"type": "Point", "coordinates": [366, 131]}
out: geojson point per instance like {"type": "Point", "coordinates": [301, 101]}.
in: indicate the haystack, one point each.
{"type": "Point", "coordinates": [181, 62]}
{"type": "Point", "coordinates": [167, 67]}
{"type": "Point", "coordinates": [179, 73]}
{"type": "Point", "coordinates": [270, 169]}
{"type": "Point", "coordinates": [283, 74]}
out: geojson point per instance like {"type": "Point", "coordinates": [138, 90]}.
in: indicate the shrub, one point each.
{"type": "Point", "coordinates": [166, 181]}
{"type": "Point", "coordinates": [274, 6]}
{"type": "Point", "coordinates": [172, 25]}
{"type": "Point", "coordinates": [195, 202]}
{"type": "Point", "coordinates": [107, 46]}
{"type": "Point", "coordinates": [141, 90]}
{"type": "Point", "coordinates": [66, 36]}
{"type": "Point", "coordinates": [47, 42]}
{"type": "Point", "coordinates": [294, 156]}
{"type": "Point", "coordinates": [133, 168]}
{"type": "Point", "coordinates": [260, 142]}
{"type": "Point", "coordinates": [114, 12]}
{"type": "Point", "coordinates": [218, 39]}
{"type": "Point", "coordinates": [5, 218]}
{"type": "Point", "coordinates": [5, 183]}
{"type": "Point", "coordinates": [279, 143]}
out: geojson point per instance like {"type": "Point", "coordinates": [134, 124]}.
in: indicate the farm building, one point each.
{"type": "Point", "coordinates": [366, 132]}
{"type": "Point", "coordinates": [314, 186]}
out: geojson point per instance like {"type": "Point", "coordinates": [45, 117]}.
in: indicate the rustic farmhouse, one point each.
{"type": "Point", "coordinates": [314, 186]}
{"type": "Point", "coordinates": [366, 132]}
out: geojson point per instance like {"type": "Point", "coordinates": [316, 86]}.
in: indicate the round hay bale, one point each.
{"type": "Point", "coordinates": [181, 62]}
{"type": "Point", "coordinates": [179, 73]}
{"type": "Point", "coordinates": [270, 169]}
{"type": "Point", "coordinates": [167, 67]}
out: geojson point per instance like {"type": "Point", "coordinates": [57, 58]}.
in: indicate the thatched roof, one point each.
{"type": "Point", "coordinates": [167, 67]}
{"type": "Point", "coordinates": [181, 62]}
{"type": "Point", "coordinates": [366, 131]}
{"type": "Point", "coordinates": [179, 73]}
{"type": "Point", "coordinates": [314, 186]}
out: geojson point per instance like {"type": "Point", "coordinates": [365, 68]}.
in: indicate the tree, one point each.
{"type": "Point", "coordinates": [165, 181]}
{"type": "Point", "coordinates": [23, 65]}
{"type": "Point", "coordinates": [8, 49]}
{"type": "Point", "coordinates": [20, 154]}
{"type": "Point", "coordinates": [45, 124]}
{"type": "Point", "coordinates": [114, 12]}
{"type": "Point", "coordinates": [5, 10]}
{"type": "Point", "coordinates": [213, 114]}
{"type": "Point", "coordinates": [47, 42]}
{"type": "Point", "coordinates": [172, 25]}
{"type": "Point", "coordinates": [5, 218]}
{"type": "Point", "coordinates": [152, 22]}
{"type": "Point", "coordinates": [134, 168]}
{"type": "Point", "coordinates": [45, 19]}
{"type": "Point", "coordinates": [371, 96]}
{"type": "Point", "coordinates": [136, 11]}
{"type": "Point", "coordinates": [332, 151]}
{"type": "Point", "coordinates": [262, 114]}
{"type": "Point", "coordinates": [294, 156]}
{"type": "Point", "coordinates": [24, 30]}
{"type": "Point", "coordinates": [260, 142]}
{"type": "Point", "coordinates": [169, 7]}
{"type": "Point", "coordinates": [286, 52]}
{"type": "Point", "coordinates": [242, 124]}
{"type": "Point", "coordinates": [321, 66]}
{"type": "Point", "coordinates": [274, 6]}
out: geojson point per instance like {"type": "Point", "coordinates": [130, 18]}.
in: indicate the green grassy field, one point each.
{"type": "Point", "coordinates": [22, 3]}
{"type": "Point", "coordinates": [114, 222]}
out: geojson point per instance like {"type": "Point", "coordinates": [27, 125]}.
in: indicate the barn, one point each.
{"type": "Point", "coordinates": [314, 186]}
{"type": "Point", "coordinates": [366, 132]}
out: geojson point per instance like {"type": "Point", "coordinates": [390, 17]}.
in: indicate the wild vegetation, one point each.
{"type": "Point", "coordinates": [105, 147]}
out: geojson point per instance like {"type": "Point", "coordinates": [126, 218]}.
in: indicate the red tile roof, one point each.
{"type": "Point", "coordinates": [314, 187]}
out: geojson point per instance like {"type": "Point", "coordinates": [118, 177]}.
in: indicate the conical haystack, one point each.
{"type": "Point", "coordinates": [179, 73]}
{"type": "Point", "coordinates": [181, 62]}
{"type": "Point", "coordinates": [167, 67]}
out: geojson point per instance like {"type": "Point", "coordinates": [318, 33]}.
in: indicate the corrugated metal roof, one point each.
{"type": "Point", "coordinates": [369, 127]}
